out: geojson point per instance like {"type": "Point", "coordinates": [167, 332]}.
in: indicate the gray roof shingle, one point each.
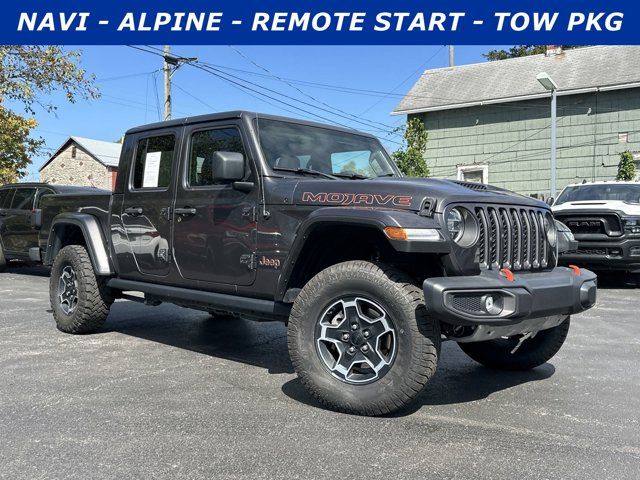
{"type": "Point", "coordinates": [514, 79]}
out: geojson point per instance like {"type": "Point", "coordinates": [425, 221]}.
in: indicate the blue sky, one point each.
{"type": "Point", "coordinates": [131, 86]}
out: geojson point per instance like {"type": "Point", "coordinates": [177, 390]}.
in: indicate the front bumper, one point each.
{"type": "Point", "coordinates": [462, 301]}
{"type": "Point", "coordinates": [609, 255]}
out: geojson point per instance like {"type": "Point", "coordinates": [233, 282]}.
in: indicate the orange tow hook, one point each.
{"type": "Point", "coordinates": [508, 274]}
{"type": "Point", "coordinates": [576, 270]}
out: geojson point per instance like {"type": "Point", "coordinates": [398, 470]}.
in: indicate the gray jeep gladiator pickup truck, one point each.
{"type": "Point", "coordinates": [280, 219]}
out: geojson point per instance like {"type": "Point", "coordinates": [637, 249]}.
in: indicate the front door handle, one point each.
{"type": "Point", "coordinates": [185, 211]}
{"type": "Point", "coordinates": [133, 211]}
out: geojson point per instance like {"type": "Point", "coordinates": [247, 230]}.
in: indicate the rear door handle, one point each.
{"type": "Point", "coordinates": [133, 211]}
{"type": "Point", "coordinates": [185, 211]}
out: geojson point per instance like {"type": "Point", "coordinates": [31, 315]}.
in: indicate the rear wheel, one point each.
{"type": "Point", "coordinates": [80, 301]}
{"type": "Point", "coordinates": [360, 339]}
{"type": "Point", "coordinates": [532, 353]}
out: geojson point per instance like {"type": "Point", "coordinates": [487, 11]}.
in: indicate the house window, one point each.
{"type": "Point", "coordinates": [473, 173]}
{"type": "Point", "coordinates": [73, 151]}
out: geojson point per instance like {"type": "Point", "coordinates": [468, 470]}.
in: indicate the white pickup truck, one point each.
{"type": "Point", "coordinates": [605, 220]}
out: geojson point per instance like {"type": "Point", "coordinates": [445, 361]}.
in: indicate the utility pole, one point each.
{"type": "Point", "coordinates": [452, 61]}
{"type": "Point", "coordinates": [167, 82]}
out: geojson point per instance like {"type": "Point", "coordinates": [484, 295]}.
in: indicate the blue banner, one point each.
{"type": "Point", "coordinates": [355, 22]}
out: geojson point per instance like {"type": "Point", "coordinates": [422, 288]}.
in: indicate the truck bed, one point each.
{"type": "Point", "coordinates": [96, 204]}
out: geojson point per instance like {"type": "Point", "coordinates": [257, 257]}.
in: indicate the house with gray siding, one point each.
{"type": "Point", "coordinates": [83, 162]}
{"type": "Point", "coordinates": [490, 122]}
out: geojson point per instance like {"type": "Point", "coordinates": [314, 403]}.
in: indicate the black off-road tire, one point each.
{"type": "Point", "coordinates": [532, 353]}
{"type": "Point", "coordinates": [94, 298]}
{"type": "Point", "coordinates": [416, 351]}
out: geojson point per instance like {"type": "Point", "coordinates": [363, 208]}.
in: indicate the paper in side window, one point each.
{"type": "Point", "coordinates": [151, 169]}
{"type": "Point", "coordinates": [199, 163]}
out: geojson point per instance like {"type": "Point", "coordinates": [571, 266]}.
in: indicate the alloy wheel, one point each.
{"type": "Point", "coordinates": [356, 340]}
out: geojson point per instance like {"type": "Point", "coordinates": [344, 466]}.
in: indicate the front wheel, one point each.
{"type": "Point", "coordinates": [80, 301]}
{"type": "Point", "coordinates": [360, 338]}
{"type": "Point", "coordinates": [532, 353]}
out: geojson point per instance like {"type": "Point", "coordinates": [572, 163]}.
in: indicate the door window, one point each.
{"type": "Point", "coordinates": [5, 197]}
{"type": "Point", "coordinates": [204, 145]}
{"type": "Point", "coordinates": [23, 199]}
{"type": "Point", "coordinates": [154, 161]}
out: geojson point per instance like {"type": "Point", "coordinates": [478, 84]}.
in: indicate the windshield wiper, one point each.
{"type": "Point", "coordinates": [351, 175]}
{"type": "Point", "coordinates": [304, 170]}
{"type": "Point", "coordinates": [390, 174]}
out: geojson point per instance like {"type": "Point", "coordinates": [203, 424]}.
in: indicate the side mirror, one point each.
{"type": "Point", "coordinates": [228, 166]}
{"type": "Point", "coordinates": [550, 201]}
{"type": "Point", "coordinates": [36, 219]}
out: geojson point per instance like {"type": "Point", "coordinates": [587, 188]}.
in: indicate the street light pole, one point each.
{"type": "Point", "coordinates": [553, 142]}
{"type": "Point", "coordinates": [547, 82]}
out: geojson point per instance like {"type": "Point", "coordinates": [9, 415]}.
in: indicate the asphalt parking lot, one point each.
{"type": "Point", "coordinates": [165, 392]}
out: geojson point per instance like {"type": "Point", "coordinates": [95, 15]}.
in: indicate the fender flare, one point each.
{"type": "Point", "coordinates": [92, 233]}
{"type": "Point", "coordinates": [365, 217]}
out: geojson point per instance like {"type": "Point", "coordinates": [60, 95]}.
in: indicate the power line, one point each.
{"type": "Point", "coordinates": [122, 77]}
{"type": "Point", "coordinates": [194, 97]}
{"type": "Point", "coordinates": [275, 92]}
{"type": "Point", "coordinates": [253, 87]}
{"type": "Point", "coordinates": [277, 77]}
{"type": "Point", "coordinates": [405, 80]}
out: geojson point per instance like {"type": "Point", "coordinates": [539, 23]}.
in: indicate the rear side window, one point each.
{"type": "Point", "coordinates": [153, 162]}
{"type": "Point", "coordinates": [5, 197]}
{"type": "Point", "coordinates": [204, 144]}
{"type": "Point", "coordinates": [23, 199]}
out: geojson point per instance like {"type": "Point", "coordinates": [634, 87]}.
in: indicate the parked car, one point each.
{"type": "Point", "coordinates": [314, 225]}
{"type": "Point", "coordinates": [605, 220]}
{"type": "Point", "coordinates": [18, 205]}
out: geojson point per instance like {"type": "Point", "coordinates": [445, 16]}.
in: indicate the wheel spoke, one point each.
{"type": "Point", "coordinates": [345, 362]}
{"type": "Point", "coordinates": [375, 360]}
{"type": "Point", "coordinates": [376, 329]}
{"type": "Point", "coordinates": [334, 333]}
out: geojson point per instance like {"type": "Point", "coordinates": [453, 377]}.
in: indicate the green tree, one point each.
{"type": "Point", "coordinates": [410, 158]}
{"type": "Point", "coordinates": [626, 167]}
{"type": "Point", "coordinates": [29, 75]}
{"type": "Point", "coordinates": [519, 51]}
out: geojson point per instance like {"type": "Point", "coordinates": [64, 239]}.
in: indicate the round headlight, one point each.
{"type": "Point", "coordinates": [550, 230]}
{"type": "Point", "coordinates": [462, 226]}
{"type": "Point", "coordinates": [455, 224]}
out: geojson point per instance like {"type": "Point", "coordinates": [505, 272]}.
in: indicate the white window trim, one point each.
{"type": "Point", "coordinates": [462, 169]}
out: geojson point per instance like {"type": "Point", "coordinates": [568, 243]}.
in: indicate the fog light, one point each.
{"type": "Point", "coordinates": [492, 304]}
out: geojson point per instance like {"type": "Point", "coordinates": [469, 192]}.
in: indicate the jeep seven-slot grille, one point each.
{"type": "Point", "coordinates": [511, 238]}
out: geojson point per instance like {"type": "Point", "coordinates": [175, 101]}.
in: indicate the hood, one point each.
{"type": "Point", "coordinates": [632, 209]}
{"type": "Point", "coordinates": [404, 193]}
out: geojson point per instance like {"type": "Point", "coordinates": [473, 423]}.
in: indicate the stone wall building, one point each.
{"type": "Point", "coordinates": [490, 122]}
{"type": "Point", "coordinates": [84, 162]}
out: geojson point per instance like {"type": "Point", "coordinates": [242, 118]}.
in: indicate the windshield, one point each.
{"type": "Point", "coordinates": [625, 193]}
{"type": "Point", "coordinates": [291, 146]}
